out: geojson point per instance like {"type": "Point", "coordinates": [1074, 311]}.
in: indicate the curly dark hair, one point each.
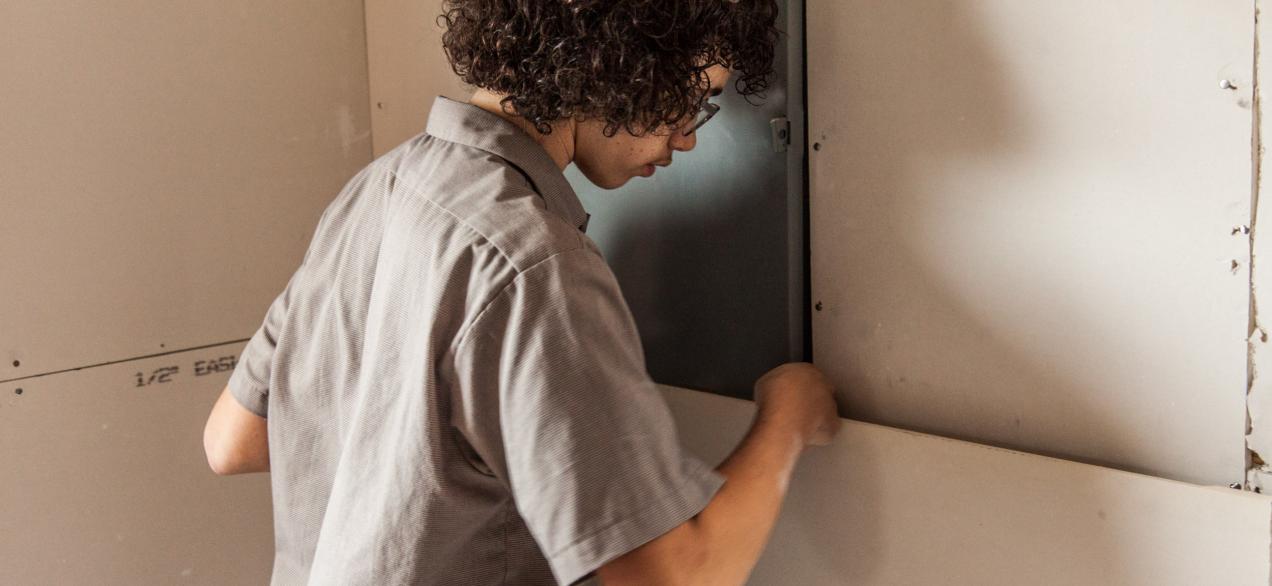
{"type": "Point", "coordinates": [636, 64]}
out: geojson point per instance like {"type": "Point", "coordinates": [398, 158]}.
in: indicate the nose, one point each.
{"type": "Point", "coordinates": [680, 142]}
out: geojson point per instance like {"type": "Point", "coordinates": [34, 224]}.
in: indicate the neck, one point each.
{"type": "Point", "coordinates": [560, 143]}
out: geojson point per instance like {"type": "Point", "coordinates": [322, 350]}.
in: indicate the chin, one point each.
{"type": "Point", "coordinates": [618, 183]}
{"type": "Point", "coordinates": [607, 182]}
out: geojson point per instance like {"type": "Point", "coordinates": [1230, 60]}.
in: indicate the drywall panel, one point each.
{"type": "Point", "coordinates": [407, 68]}
{"type": "Point", "coordinates": [105, 481]}
{"type": "Point", "coordinates": [892, 507]}
{"type": "Point", "coordinates": [1025, 224]}
{"type": "Point", "coordinates": [162, 167]}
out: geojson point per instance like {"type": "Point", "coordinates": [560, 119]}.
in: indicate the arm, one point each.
{"type": "Point", "coordinates": [722, 543]}
{"type": "Point", "coordinates": [235, 439]}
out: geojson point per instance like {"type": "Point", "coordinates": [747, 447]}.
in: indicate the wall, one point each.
{"type": "Point", "coordinates": [1023, 234]}
{"type": "Point", "coordinates": [883, 506]}
{"type": "Point", "coordinates": [407, 68]}
{"type": "Point", "coordinates": [162, 167]}
{"type": "Point", "coordinates": [105, 482]}
{"type": "Point", "coordinates": [1026, 224]}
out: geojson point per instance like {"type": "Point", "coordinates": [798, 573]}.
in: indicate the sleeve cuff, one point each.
{"type": "Point", "coordinates": [252, 397]}
{"type": "Point", "coordinates": [676, 506]}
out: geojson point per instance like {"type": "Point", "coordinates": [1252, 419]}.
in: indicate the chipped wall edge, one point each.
{"type": "Point", "coordinates": [1259, 392]}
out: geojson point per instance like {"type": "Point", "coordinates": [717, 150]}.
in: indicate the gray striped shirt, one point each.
{"type": "Point", "coordinates": [455, 387]}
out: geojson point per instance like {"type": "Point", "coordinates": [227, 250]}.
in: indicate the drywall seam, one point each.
{"type": "Point", "coordinates": [1259, 433]}
{"type": "Point", "coordinates": [366, 39]}
{"type": "Point", "coordinates": [1257, 440]}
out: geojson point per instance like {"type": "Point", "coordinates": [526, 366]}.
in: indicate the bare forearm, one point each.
{"type": "Point", "coordinates": [736, 524]}
{"type": "Point", "coordinates": [795, 408]}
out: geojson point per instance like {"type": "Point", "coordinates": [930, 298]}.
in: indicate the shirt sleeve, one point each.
{"type": "Point", "coordinates": [249, 382]}
{"type": "Point", "coordinates": [554, 396]}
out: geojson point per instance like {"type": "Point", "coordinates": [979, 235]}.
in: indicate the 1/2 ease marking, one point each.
{"type": "Point", "coordinates": [201, 368]}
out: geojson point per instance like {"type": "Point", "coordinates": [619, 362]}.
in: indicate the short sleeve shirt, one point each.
{"type": "Point", "coordinates": [455, 388]}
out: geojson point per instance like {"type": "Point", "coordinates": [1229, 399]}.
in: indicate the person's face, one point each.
{"type": "Point", "coordinates": [609, 162]}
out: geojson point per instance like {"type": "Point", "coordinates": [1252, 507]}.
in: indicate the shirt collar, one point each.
{"type": "Point", "coordinates": [466, 124]}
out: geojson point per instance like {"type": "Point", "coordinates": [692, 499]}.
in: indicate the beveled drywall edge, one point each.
{"type": "Point", "coordinates": [1259, 437]}
{"type": "Point", "coordinates": [888, 506]}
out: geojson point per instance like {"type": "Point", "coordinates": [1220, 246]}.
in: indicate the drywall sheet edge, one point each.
{"type": "Point", "coordinates": [886, 506]}
{"type": "Point", "coordinates": [1259, 440]}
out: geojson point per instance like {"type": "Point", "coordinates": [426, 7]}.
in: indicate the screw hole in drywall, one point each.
{"type": "Point", "coordinates": [17, 391]}
{"type": "Point", "coordinates": [818, 307]}
{"type": "Point", "coordinates": [817, 146]}
{"type": "Point", "coordinates": [17, 363]}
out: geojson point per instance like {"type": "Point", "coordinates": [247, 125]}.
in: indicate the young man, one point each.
{"type": "Point", "coordinates": [455, 389]}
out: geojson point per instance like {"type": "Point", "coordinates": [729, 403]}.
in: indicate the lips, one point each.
{"type": "Point", "coordinates": [649, 169]}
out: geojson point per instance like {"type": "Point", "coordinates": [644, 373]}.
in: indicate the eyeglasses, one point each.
{"type": "Point", "coordinates": [704, 114]}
